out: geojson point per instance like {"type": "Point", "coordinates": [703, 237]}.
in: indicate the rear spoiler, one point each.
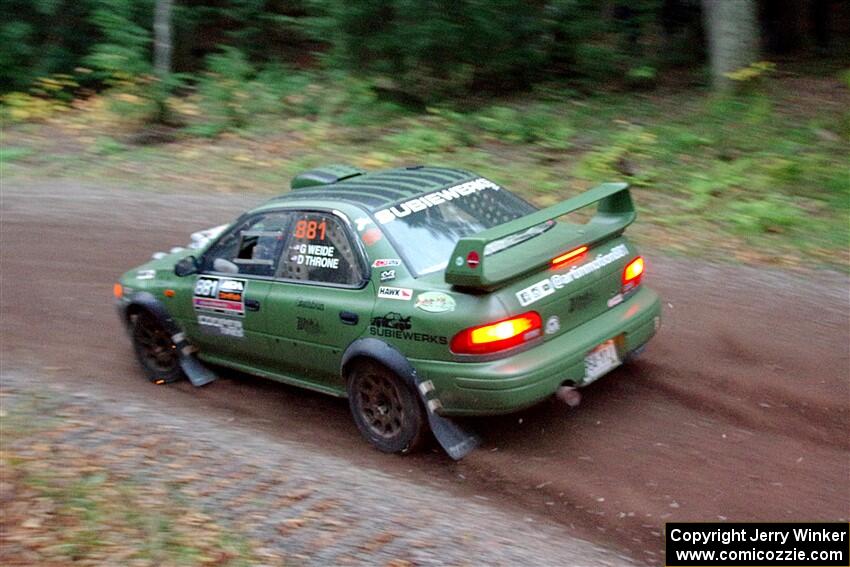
{"type": "Point", "coordinates": [615, 211]}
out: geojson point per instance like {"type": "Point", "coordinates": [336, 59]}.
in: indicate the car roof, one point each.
{"type": "Point", "coordinates": [378, 190]}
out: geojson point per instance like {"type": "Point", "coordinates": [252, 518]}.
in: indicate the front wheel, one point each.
{"type": "Point", "coordinates": [155, 350]}
{"type": "Point", "coordinates": [386, 410]}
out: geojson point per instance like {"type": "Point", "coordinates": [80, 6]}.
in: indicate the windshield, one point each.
{"type": "Point", "coordinates": [427, 228]}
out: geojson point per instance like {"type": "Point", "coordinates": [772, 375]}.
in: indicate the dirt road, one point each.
{"type": "Point", "coordinates": [739, 410]}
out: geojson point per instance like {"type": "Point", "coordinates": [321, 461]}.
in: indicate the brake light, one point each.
{"type": "Point", "coordinates": [499, 335]}
{"type": "Point", "coordinates": [632, 274]}
{"type": "Point", "coordinates": [567, 256]}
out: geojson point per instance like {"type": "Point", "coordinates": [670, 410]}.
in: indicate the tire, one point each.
{"type": "Point", "coordinates": [385, 408]}
{"type": "Point", "coordinates": [154, 349]}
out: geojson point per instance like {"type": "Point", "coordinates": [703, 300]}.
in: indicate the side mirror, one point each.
{"type": "Point", "coordinates": [186, 267]}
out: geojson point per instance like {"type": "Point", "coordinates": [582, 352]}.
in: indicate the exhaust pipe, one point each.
{"type": "Point", "coordinates": [569, 395]}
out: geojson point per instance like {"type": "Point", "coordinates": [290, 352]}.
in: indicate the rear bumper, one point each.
{"type": "Point", "coordinates": [528, 377]}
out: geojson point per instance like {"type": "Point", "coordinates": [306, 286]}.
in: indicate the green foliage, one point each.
{"type": "Point", "coordinates": [596, 63]}
{"type": "Point", "coordinates": [225, 91]}
{"type": "Point", "coordinates": [422, 141]}
{"type": "Point", "coordinates": [233, 94]}
{"type": "Point", "coordinates": [262, 30]}
{"type": "Point", "coordinates": [41, 38]}
{"type": "Point", "coordinates": [751, 78]}
{"type": "Point", "coordinates": [24, 107]}
{"type": "Point", "coordinates": [773, 214]}
{"type": "Point", "coordinates": [18, 49]}
{"type": "Point", "coordinates": [845, 77]}
{"type": "Point", "coordinates": [437, 48]}
{"type": "Point", "coordinates": [10, 154]}
{"type": "Point", "coordinates": [760, 173]}
{"type": "Point", "coordinates": [122, 53]}
{"type": "Point", "coordinates": [536, 125]}
{"type": "Point", "coordinates": [625, 155]}
{"type": "Point", "coordinates": [422, 51]}
{"type": "Point", "coordinates": [122, 59]}
{"type": "Point", "coordinates": [348, 100]}
{"type": "Point", "coordinates": [643, 76]}
{"type": "Point", "coordinates": [106, 146]}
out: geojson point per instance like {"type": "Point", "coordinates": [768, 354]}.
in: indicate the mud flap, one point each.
{"type": "Point", "coordinates": [454, 439]}
{"type": "Point", "coordinates": [198, 374]}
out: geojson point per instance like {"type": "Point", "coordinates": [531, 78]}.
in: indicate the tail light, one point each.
{"type": "Point", "coordinates": [567, 256]}
{"type": "Point", "coordinates": [632, 274]}
{"type": "Point", "coordinates": [118, 291]}
{"type": "Point", "coordinates": [499, 335]}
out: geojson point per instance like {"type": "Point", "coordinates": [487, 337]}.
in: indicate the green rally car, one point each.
{"type": "Point", "coordinates": [420, 294]}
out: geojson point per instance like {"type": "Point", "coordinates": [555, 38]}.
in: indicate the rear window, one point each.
{"type": "Point", "coordinates": [427, 228]}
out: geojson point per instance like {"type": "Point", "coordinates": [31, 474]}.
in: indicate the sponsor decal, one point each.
{"type": "Point", "coordinates": [221, 326]}
{"type": "Point", "coordinates": [434, 199]}
{"type": "Point", "coordinates": [315, 256]}
{"type": "Point", "coordinates": [616, 300]}
{"type": "Point", "coordinates": [435, 302]}
{"type": "Point", "coordinates": [580, 301]}
{"type": "Point", "coordinates": [387, 275]}
{"type": "Point", "coordinates": [309, 326]}
{"type": "Point", "coordinates": [220, 295]}
{"type": "Point", "coordinates": [392, 320]}
{"type": "Point", "coordinates": [362, 223]}
{"type": "Point", "coordinates": [400, 293]}
{"type": "Point", "coordinates": [310, 304]}
{"type": "Point", "coordinates": [386, 263]}
{"type": "Point", "coordinates": [371, 236]}
{"type": "Point", "coordinates": [535, 292]}
{"type": "Point", "coordinates": [553, 325]}
{"type": "Point", "coordinates": [394, 326]}
{"type": "Point", "coordinates": [550, 285]}
{"type": "Point", "coordinates": [145, 274]}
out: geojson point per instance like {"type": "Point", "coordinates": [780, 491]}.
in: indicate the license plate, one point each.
{"type": "Point", "coordinates": [600, 361]}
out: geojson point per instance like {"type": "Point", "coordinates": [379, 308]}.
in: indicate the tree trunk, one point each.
{"type": "Point", "coordinates": [162, 38]}
{"type": "Point", "coordinates": [733, 39]}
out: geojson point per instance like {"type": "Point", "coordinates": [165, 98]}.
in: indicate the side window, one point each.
{"type": "Point", "coordinates": [250, 248]}
{"type": "Point", "coordinates": [319, 250]}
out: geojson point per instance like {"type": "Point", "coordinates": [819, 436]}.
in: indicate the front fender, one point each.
{"type": "Point", "coordinates": [147, 301]}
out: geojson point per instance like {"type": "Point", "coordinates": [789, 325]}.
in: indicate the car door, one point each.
{"type": "Point", "coordinates": [321, 299]}
{"type": "Point", "coordinates": [228, 294]}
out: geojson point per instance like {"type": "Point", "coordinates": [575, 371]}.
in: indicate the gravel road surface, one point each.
{"type": "Point", "coordinates": [293, 504]}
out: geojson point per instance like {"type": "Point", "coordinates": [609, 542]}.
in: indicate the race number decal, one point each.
{"type": "Point", "coordinates": [220, 295]}
{"type": "Point", "coordinates": [310, 229]}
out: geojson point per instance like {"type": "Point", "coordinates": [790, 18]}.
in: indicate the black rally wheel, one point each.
{"type": "Point", "coordinates": [155, 349]}
{"type": "Point", "coordinates": [385, 409]}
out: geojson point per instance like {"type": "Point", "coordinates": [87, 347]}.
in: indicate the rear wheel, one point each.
{"type": "Point", "coordinates": [155, 350]}
{"type": "Point", "coordinates": [386, 409]}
